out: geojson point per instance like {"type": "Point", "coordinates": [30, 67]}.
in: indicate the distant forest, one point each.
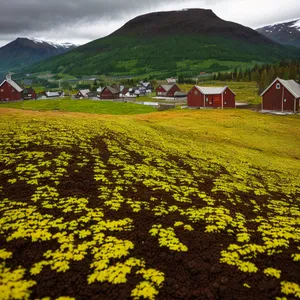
{"type": "Point", "coordinates": [264, 74]}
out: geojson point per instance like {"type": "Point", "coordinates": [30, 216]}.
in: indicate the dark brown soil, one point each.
{"type": "Point", "coordinates": [195, 274]}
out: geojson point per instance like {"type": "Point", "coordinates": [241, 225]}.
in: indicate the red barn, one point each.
{"type": "Point", "coordinates": [282, 95]}
{"type": "Point", "coordinates": [110, 92]}
{"type": "Point", "coordinates": [167, 90]}
{"type": "Point", "coordinates": [211, 97]}
{"type": "Point", "coordinates": [9, 90]}
{"type": "Point", "coordinates": [29, 93]}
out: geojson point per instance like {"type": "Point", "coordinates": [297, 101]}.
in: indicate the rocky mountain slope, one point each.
{"type": "Point", "coordinates": [286, 33]}
{"type": "Point", "coordinates": [26, 51]}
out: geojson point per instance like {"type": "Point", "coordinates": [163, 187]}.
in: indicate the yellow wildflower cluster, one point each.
{"type": "Point", "coordinates": [167, 238]}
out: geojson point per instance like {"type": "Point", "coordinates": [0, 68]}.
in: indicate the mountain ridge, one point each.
{"type": "Point", "coordinates": [204, 17]}
{"type": "Point", "coordinates": [166, 42]}
{"type": "Point", "coordinates": [23, 52]}
{"type": "Point", "coordinates": [285, 33]}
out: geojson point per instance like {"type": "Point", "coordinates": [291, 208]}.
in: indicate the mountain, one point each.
{"type": "Point", "coordinates": [164, 43]}
{"type": "Point", "coordinates": [26, 51]}
{"type": "Point", "coordinates": [286, 33]}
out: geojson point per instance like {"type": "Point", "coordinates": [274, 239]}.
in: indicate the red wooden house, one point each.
{"type": "Point", "coordinates": [124, 92]}
{"type": "Point", "coordinates": [211, 97]}
{"type": "Point", "coordinates": [10, 90]}
{"type": "Point", "coordinates": [110, 92]}
{"type": "Point", "coordinates": [29, 93]}
{"type": "Point", "coordinates": [167, 90]}
{"type": "Point", "coordinates": [282, 95]}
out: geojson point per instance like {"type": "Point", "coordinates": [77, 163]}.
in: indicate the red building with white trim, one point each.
{"type": "Point", "coordinates": [110, 92]}
{"type": "Point", "coordinates": [281, 95]}
{"type": "Point", "coordinates": [167, 90]}
{"type": "Point", "coordinates": [10, 90]}
{"type": "Point", "coordinates": [29, 94]}
{"type": "Point", "coordinates": [211, 97]}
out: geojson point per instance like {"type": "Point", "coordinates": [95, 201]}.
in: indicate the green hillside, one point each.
{"type": "Point", "coordinates": [168, 43]}
{"type": "Point", "coordinates": [117, 55]}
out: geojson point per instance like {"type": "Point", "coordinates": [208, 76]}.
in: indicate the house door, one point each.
{"type": "Point", "coordinates": [217, 101]}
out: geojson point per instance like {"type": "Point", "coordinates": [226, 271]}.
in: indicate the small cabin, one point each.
{"type": "Point", "coordinates": [29, 94]}
{"type": "Point", "coordinates": [167, 90]}
{"type": "Point", "coordinates": [83, 94]}
{"type": "Point", "coordinates": [50, 94]}
{"type": "Point", "coordinates": [211, 97]}
{"type": "Point", "coordinates": [147, 85]}
{"type": "Point", "coordinates": [110, 92]}
{"type": "Point", "coordinates": [281, 95]}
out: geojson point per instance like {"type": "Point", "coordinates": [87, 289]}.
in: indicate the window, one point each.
{"type": "Point", "coordinates": [1, 90]}
{"type": "Point", "coordinates": [196, 93]}
{"type": "Point", "coordinates": [206, 99]}
{"type": "Point", "coordinates": [13, 90]}
{"type": "Point", "coordinates": [278, 86]}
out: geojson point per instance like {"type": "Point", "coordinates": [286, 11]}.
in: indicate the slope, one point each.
{"type": "Point", "coordinates": [286, 33]}
{"type": "Point", "coordinates": [24, 52]}
{"type": "Point", "coordinates": [167, 42]}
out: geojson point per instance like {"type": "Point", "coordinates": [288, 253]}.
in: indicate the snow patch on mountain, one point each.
{"type": "Point", "coordinates": [286, 33]}
{"type": "Point", "coordinates": [287, 25]}
{"type": "Point", "coordinates": [54, 44]}
{"type": "Point", "coordinates": [296, 24]}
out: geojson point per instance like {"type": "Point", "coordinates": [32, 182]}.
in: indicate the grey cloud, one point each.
{"type": "Point", "coordinates": [84, 20]}
{"type": "Point", "coordinates": [285, 16]}
{"type": "Point", "coordinates": [21, 16]}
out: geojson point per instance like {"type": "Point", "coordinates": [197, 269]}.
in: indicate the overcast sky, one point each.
{"type": "Point", "coordinates": [81, 21]}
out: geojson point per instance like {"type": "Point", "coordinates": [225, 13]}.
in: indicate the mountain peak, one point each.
{"type": "Point", "coordinates": [24, 51]}
{"type": "Point", "coordinates": [286, 33]}
{"type": "Point", "coordinates": [165, 43]}
{"type": "Point", "coordinates": [185, 22]}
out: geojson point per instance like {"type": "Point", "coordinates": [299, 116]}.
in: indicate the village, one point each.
{"type": "Point", "coordinates": [280, 96]}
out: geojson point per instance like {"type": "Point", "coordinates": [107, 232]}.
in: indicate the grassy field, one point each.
{"type": "Point", "coordinates": [85, 106]}
{"type": "Point", "coordinates": [172, 205]}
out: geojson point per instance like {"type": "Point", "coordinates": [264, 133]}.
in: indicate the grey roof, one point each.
{"type": "Point", "coordinates": [13, 84]}
{"type": "Point", "coordinates": [180, 93]}
{"type": "Point", "coordinates": [211, 90]}
{"type": "Point", "coordinates": [167, 87]}
{"type": "Point", "coordinates": [112, 89]}
{"type": "Point", "coordinates": [291, 85]}
{"type": "Point", "coordinates": [145, 84]}
{"type": "Point", "coordinates": [52, 94]}
{"type": "Point", "coordinates": [84, 92]}
{"type": "Point", "coordinates": [92, 94]}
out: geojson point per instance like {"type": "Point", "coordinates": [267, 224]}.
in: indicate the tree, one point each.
{"type": "Point", "coordinates": [264, 81]}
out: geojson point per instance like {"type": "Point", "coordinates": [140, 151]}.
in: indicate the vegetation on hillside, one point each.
{"type": "Point", "coordinates": [193, 205]}
{"type": "Point", "coordinates": [162, 56]}
{"type": "Point", "coordinates": [264, 74]}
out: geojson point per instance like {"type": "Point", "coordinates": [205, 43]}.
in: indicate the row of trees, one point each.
{"type": "Point", "coordinates": [263, 74]}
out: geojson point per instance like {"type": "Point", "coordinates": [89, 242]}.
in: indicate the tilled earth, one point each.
{"type": "Point", "coordinates": [67, 179]}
